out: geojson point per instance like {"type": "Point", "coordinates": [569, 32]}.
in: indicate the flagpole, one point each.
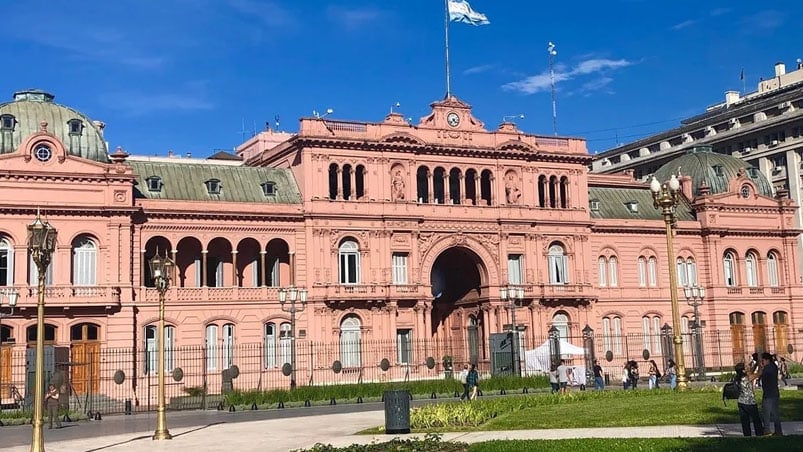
{"type": "Point", "coordinates": [446, 27]}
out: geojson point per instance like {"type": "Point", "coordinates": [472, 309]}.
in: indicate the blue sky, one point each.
{"type": "Point", "coordinates": [186, 74]}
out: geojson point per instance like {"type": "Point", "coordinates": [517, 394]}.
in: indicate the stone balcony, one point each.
{"type": "Point", "coordinates": [67, 296]}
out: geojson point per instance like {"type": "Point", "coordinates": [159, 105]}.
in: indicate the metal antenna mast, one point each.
{"type": "Point", "coordinates": [552, 52]}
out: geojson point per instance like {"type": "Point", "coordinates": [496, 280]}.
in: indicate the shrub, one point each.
{"type": "Point", "coordinates": [195, 391]}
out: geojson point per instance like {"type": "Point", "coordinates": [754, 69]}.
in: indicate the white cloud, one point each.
{"type": "Point", "coordinates": [352, 19]}
{"type": "Point", "coordinates": [684, 24]}
{"type": "Point", "coordinates": [543, 81]}
{"type": "Point", "coordinates": [478, 69]}
{"type": "Point", "coordinates": [191, 97]}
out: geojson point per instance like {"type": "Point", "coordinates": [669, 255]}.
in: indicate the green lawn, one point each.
{"type": "Point", "coordinates": [648, 408]}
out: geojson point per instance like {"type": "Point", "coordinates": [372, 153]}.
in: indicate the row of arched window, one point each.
{"type": "Point", "coordinates": [686, 267]}
{"type": "Point", "coordinates": [84, 262]}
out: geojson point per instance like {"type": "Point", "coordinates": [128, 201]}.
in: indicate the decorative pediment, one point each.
{"type": "Point", "coordinates": [403, 138]}
{"type": "Point", "coordinates": [451, 113]}
{"type": "Point", "coordinates": [516, 145]}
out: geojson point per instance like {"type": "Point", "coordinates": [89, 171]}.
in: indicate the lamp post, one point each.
{"type": "Point", "coordinates": [513, 294]}
{"type": "Point", "coordinates": [287, 299]}
{"type": "Point", "coordinates": [161, 270]}
{"type": "Point", "coordinates": [694, 297]}
{"type": "Point", "coordinates": [41, 245]}
{"type": "Point", "coordinates": [665, 197]}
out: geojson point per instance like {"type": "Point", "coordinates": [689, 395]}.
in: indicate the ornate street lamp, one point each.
{"type": "Point", "coordinates": [293, 294]}
{"type": "Point", "coordinates": [161, 271]}
{"type": "Point", "coordinates": [665, 197]}
{"type": "Point", "coordinates": [515, 295]}
{"type": "Point", "coordinates": [694, 297]}
{"type": "Point", "coordinates": [41, 245]}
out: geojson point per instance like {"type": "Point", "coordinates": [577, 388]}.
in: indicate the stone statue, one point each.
{"type": "Point", "coordinates": [512, 192]}
{"type": "Point", "coordinates": [397, 186]}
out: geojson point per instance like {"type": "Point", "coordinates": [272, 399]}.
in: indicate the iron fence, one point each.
{"type": "Point", "coordinates": [116, 380]}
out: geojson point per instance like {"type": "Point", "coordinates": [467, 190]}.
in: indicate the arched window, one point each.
{"type": "Point", "coordinates": [33, 272]}
{"type": "Point", "coordinates": [269, 338]}
{"type": "Point", "coordinates": [227, 355]}
{"type": "Point", "coordinates": [151, 355]}
{"type": "Point", "coordinates": [651, 330]}
{"type": "Point", "coordinates": [613, 271]}
{"type": "Point", "coordinates": [211, 347]}
{"type": "Point", "coordinates": [349, 254]}
{"type": "Point", "coordinates": [553, 192]}
{"type": "Point", "coordinates": [558, 265]}
{"type": "Point", "coordinates": [642, 271]}
{"type": "Point", "coordinates": [350, 336]}
{"type": "Point", "coordinates": [359, 182]}
{"type": "Point", "coordinates": [561, 322]}
{"type": "Point", "coordinates": [333, 181]}
{"type": "Point", "coordinates": [348, 190]}
{"type": "Point", "coordinates": [750, 269]}
{"type": "Point", "coordinates": [6, 263]}
{"type": "Point", "coordinates": [617, 335]}
{"type": "Point", "coordinates": [439, 185]}
{"type": "Point", "coordinates": [485, 187]}
{"type": "Point", "coordinates": [691, 271]}
{"type": "Point", "coordinates": [603, 268]}
{"type": "Point", "coordinates": [454, 185]}
{"type": "Point", "coordinates": [759, 319]}
{"type": "Point", "coordinates": [772, 270]}
{"type": "Point", "coordinates": [729, 269]}
{"type": "Point", "coordinates": [780, 323]}
{"type": "Point", "coordinates": [422, 184]}
{"type": "Point", "coordinates": [652, 271]}
{"type": "Point", "coordinates": [564, 192]}
{"type": "Point", "coordinates": [50, 334]}
{"type": "Point", "coordinates": [542, 190]}
{"type": "Point", "coordinates": [471, 186]}
{"type": "Point", "coordinates": [84, 262]}
{"type": "Point", "coordinates": [681, 272]}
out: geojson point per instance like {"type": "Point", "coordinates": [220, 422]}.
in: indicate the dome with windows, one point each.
{"type": "Point", "coordinates": [23, 116]}
{"type": "Point", "coordinates": [702, 164]}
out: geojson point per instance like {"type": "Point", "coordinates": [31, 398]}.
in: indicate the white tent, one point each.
{"type": "Point", "coordinates": [537, 359]}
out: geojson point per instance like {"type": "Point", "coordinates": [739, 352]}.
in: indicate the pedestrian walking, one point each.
{"type": "Point", "coordinates": [626, 375]}
{"type": "Point", "coordinates": [553, 378]}
{"type": "Point", "coordinates": [464, 381]}
{"type": "Point", "coordinates": [634, 375]}
{"type": "Point", "coordinates": [599, 382]}
{"type": "Point", "coordinates": [52, 405]}
{"type": "Point", "coordinates": [655, 374]}
{"type": "Point", "coordinates": [783, 369]}
{"type": "Point", "coordinates": [771, 396]}
{"type": "Point", "coordinates": [563, 377]}
{"type": "Point", "coordinates": [472, 381]}
{"type": "Point", "coordinates": [748, 407]}
{"type": "Point", "coordinates": [672, 371]}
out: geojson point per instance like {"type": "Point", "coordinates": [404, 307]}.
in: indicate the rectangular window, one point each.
{"type": "Point", "coordinates": [228, 346]}
{"type": "Point", "coordinates": [681, 273]}
{"type": "Point", "coordinates": [515, 269]}
{"type": "Point", "coordinates": [270, 345]}
{"type": "Point", "coordinates": [645, 329]}
{"type": "Point", "coordinates": [285, 343]}
{"type": "Point", "coordinates": [613, 272]}
{"type": "Point", "coordinates": [34, 272]}
{"type": "Point", "coordinates": [348, 268]}
{"type": "Point", "coordinates": [653, 271]}
{"type": "Point", "coordinates": [84, 267]}
{"type": "Point", "coordinates": [404, 345]}
{"type": "Point", "coordinates": [617, 335]}
{"type": "Point", "coordinates": [399, 265]}
{"type": "Point", "coordinates": [558, 270]}
{"type": "Point", "coordinates": [730, 280]}
{"type": "Point", "coordinates": [772, 271]}
{"type": "Point", "coordinates": [656, 335]}
{"type": "Point", "coordinates": [606, 334]}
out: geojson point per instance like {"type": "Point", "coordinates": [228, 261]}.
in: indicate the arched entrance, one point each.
{"type": "Point", "coordinates": [459, 279]}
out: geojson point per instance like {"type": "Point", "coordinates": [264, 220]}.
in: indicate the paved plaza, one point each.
{"type": "Point", "coordinates": [284, 430]}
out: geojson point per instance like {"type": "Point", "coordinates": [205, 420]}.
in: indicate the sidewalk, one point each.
{"type": "Point", "coordinates": [338, 429]}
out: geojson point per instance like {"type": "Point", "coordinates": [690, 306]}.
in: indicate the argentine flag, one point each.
{"type": "Point", "coordinates": [460, 11]}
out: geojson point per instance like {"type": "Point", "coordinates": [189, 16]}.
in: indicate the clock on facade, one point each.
{"type": "Point", "coordinates": [453, 119]}
{"type": "Point", "coordinates": [43, 153]}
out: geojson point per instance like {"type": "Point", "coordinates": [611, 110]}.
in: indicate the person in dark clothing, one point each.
{"type": "Point", "coordinates": [599, 382]}
{"type": "Point", "coordinates": [463, 380]}
{"type": "Point", "coordinates": [769, 402]}
{"type": "Point", "coordinates": [748, 408]}
{"type": "Point", "coordinates": [472, 380]}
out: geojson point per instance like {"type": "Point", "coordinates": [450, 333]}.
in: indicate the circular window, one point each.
{"type": "Point", "coordinates": [43, 153]}
{"type": "Point", "coordinates": [745, 191]}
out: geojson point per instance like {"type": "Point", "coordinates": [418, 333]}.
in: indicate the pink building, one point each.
{"type": "Point", "coordinates": [403, 235]}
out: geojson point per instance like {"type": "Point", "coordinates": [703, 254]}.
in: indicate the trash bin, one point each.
{"type": "Point", "coordinates": [128, 406]}
{"type": "Point", "coordinates": [397, 411]}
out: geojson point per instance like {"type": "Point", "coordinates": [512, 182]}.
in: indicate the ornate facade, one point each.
{"type": "Point", "coordinates": [400, 233]}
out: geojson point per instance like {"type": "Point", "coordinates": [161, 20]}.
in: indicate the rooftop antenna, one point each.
{"type": "Point", "coordinates": [317, 115]}
{"type": "Point", "coordinates": [396, 105]}
{"type": "Point", "coordinates": [276, 121]}
{"type": "Point", "coordinates": [552, 52]}
{"type": "Point", "coordinates": [242, 131]}
{"type": "Point", "coordinates": [510, 118]}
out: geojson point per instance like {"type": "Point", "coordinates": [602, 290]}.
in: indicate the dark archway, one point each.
{"type": "Point", "coordinates": [458, 277]}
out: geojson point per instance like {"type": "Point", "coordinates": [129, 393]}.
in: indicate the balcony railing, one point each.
{"type": "Point", "coordinates": [211, 294]}
{"type": "Point", "coordinates": [69, 295]}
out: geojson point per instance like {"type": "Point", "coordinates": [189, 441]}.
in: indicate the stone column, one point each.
{"type": "Point", "coordinates": [204, 254]}
{"type": "Point", "coordinates": [493, 191]}
{"type": "Point", "coordinates": [144, 268]}
{"type": "Point", "coordinates": [263, 274]}
{"type": "Point", "coordinates": [176, 271]}
{"type": "Point", "coordinates": [292, 255]}
{"type": "Point", "coordinates": [477, 189]}
{"type": "Point", "coordinates": [339, 183]}
{"type": "Point", "coordinates": [462, 184]}
{"type": "Point", "coordinates": [430, 190]}
{"type": "Point", "coordinates": [353, 188]}
{"type": "Point", "coordinates": [234, 282]}
{"type": "Point", "coordinates": [447, 196]}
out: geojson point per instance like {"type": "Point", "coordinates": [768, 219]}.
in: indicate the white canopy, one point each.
{"type": "Point", "coordinates": [538, 358]}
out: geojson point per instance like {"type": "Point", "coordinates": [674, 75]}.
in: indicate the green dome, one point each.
{"type": "Point", "coordinates": [21, 118]}
{"type": "Point", "coordinates": [702, 164]}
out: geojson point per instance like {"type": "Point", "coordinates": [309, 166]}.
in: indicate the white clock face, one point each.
{"type": "Point", "coordinates": [452, 119]}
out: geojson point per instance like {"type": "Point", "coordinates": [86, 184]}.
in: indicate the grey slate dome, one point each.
{"type": "Point", "coordinates": [702, 164]}
{"type": "Point", "coordinates": [21, 118]}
